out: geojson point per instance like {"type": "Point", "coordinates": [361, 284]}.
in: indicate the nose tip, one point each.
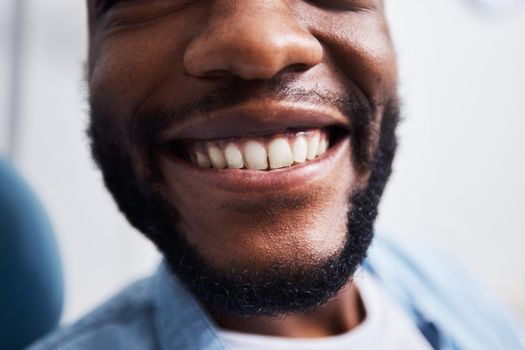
{"type": "Point", "coordinates": [252, 49]}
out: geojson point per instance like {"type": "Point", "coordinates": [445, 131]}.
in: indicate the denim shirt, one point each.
{"type": "Point", "coordinates": [450, 309]}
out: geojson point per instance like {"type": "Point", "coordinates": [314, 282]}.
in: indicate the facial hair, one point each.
{"type": "Point", "coordinates": [277, 289]}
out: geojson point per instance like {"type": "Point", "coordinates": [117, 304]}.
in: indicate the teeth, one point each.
{"type": "Point", "coordinates": [300, 148]}
{"type": "Point", "coordinates": [255, 156]}
{"type": "Point", "coordinates": [313, 147]}
{"type": "Point", "coordinates": [261, 153]}
{"type": "Point", "coordinates": [217, 157]}
{"type": "Point", "coordinates": [202, 160]}
{"type": "Point", "coordinates": [323, 146]}
{"type": "Point", "coordinates": [233, 156]}
{"type": "Point", "coordinates": [280, 154]}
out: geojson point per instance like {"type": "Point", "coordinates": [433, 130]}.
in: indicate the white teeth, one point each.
{"type": "Point", "coordinates": [233, 156]}
{"type": "Point", "coordinates": [313, 147]}
{"type": "Point", "coordinates": [300, 148]}
{"type": "Point", "coordinates": [217, 157]}
{"type": "Point", "coordinates": [255, 156]}
{"type": "Point", "coordinates": [202, 160]}
{"type": "Point", "coordinates": [280, 153]}
{"type": "Point", "coordinates": [323, 146]}
{"type": "Point", "coordinates": [261, 153]}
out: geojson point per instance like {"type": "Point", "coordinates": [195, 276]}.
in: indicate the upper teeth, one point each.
{"type": "Point", "coordinates": [273, 152]}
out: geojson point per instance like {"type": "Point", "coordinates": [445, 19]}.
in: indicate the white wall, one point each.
{"type": "Point", "coordinates": [460, 173]}
{"type": "Point", "coordinates": [6, 8]}
{"type": "Point", "coordinates": [458, 178]}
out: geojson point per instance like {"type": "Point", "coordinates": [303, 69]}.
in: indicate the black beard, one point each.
{"type": "Point", "coordinates": [281, 288]}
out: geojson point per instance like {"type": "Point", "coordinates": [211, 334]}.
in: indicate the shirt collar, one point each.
{"type": "Point", "coordinates": [182, 323]}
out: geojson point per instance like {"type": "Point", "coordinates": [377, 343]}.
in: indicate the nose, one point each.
{"type": "Point", "coordinates": [251, 40]}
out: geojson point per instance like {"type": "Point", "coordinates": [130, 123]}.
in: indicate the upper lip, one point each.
{"type": "Point", "coordinates": [254, 119]}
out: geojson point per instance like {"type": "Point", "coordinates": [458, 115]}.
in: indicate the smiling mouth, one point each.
{"type": "Point", "coordinates": [288, 148]}
{"type": "Point", "coordinates": [257, 147]}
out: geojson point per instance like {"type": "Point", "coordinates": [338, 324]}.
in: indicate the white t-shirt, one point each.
{"type": "Point", "coordinates": [385, 327]}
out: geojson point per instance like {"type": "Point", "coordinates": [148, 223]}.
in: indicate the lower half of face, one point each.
{"type": "Point", "coordinates": [274, 240]}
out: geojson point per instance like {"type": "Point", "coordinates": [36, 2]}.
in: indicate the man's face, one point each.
{"type": "Point", "coordinates": [244, 137]}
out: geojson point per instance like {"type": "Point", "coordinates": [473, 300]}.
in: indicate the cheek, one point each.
{"type": "Point", "coordinates": [129, 67]}
{"type": "Point", "coordinates": [360, 47]}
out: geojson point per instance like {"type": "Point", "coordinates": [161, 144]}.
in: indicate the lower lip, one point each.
{"type": "Point", "coordinates": [241, 180]}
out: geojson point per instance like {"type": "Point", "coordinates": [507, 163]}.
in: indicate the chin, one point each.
{"type": "Point", "coordinates": [305, 236]}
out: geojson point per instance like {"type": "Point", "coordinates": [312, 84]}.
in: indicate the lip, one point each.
{"type": "Point", "coordinates": [254, 119]}
{"type": "Point", "coordinates": [255, 181]}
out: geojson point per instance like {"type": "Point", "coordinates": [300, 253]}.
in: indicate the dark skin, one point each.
{"type": "Point", "coordinates": [143, 52]}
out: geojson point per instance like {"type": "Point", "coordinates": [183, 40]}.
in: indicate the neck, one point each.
{"type": "Point", "coordinates": [342, 313]}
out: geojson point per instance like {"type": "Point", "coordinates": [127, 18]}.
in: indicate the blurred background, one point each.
{"type": "Point", "coordinates": [459, 175]}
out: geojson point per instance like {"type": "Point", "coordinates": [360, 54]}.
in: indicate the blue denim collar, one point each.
{"type": "Point", "coordinates": [181, 322]}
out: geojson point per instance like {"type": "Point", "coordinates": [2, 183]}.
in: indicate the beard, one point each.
{"type": "Point", "coordinates": [278, 289]}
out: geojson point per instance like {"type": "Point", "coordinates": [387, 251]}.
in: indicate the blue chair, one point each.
{"type": "Point", "coordinates": [31, 280]}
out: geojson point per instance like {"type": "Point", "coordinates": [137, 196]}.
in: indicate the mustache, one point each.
{"type": "Point", "coordinates": [148, 122]}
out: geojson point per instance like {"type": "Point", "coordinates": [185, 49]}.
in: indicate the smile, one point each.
{"type": "Point", "coordinates": [281, 148]}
